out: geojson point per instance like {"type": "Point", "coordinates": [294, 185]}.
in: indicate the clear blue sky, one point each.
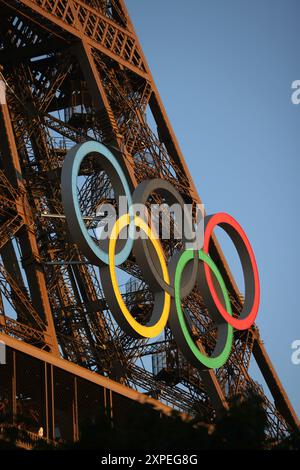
{"type": "Point", "coordinates": [224, 71]}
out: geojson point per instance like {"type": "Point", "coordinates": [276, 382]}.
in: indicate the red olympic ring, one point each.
{"type": "Point", "coordinates": [250, 271]}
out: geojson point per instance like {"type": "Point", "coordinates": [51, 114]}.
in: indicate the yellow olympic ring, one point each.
{"type": "Point", "coordinates": [152, 330]}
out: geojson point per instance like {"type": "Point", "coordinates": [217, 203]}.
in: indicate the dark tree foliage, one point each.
{"type": "Point", "coordinates": [242, 426]}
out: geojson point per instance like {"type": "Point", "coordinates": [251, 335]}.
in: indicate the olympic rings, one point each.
{"type": "Point", "coordinates": [169, 282]}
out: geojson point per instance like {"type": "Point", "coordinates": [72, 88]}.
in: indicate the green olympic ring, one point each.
{"type": "Point", "coordinates": [178, 323]}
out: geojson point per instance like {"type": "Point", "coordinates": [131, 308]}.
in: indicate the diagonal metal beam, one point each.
{"type": "Point", "coordinates": [28, 242]}
{"type": "Point", "coordinates": [93, 27]}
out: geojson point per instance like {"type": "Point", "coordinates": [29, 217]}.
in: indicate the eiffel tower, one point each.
{"type": "Point", "coordinates": [73, 71]}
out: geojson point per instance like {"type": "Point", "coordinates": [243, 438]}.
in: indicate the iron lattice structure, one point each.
{"type": "Point", "coordinates": [74, 70]}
